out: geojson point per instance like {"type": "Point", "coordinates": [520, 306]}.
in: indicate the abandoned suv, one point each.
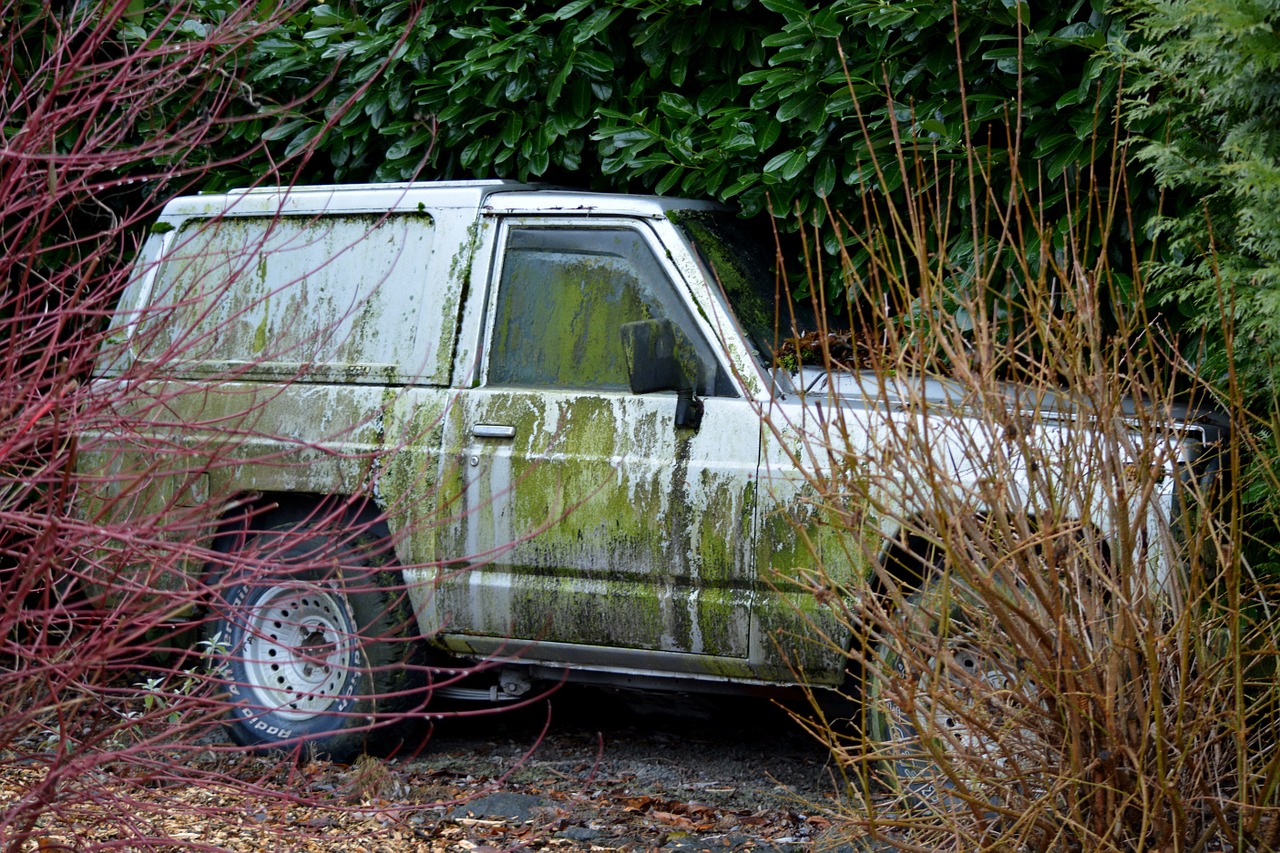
{"type": "Point", "coordinates": [544, 432]}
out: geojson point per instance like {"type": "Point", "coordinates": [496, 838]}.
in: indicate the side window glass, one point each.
{"type": "Point", "coordinates": [563, 297]}
{"type": "Point", "coordinates": [277, 296]}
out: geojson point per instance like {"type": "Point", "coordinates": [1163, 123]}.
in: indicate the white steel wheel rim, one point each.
{"type": "Point", "coordinates": [971, 684]}
{"type": "Point", "coordinates": [977, 676]}
{"type": "Point", "coordinates": [297, 651]}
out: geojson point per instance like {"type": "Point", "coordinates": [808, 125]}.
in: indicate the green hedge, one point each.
{"type": "Point", "coordinates": [747, 102]}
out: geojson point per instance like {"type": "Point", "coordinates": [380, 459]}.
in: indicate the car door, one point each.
{"type": "Point", "coordinates": [587, 515]}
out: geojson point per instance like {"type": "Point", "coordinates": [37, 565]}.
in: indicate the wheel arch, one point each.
{"type": "Point", "coordinates": [913, 553]}
{"type": "Point", "coordinates": [343, 547]}
{"type": "Point", "coordinates": [256, 512]}
{"type": "Point", "coordinates": [358, 517]}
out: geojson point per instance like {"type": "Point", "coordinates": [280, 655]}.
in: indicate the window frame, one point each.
{"type": "Point", "coordinates": [705, 341]}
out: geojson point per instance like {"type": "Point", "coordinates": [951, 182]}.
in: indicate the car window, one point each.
{"type": "Point", "coordinates": [295, 296]}
{"type": "Point", "coordinates": [563, 296]}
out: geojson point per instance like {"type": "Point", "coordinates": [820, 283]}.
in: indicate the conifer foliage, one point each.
{"type": "Point", "coordinates": [1211, 76]}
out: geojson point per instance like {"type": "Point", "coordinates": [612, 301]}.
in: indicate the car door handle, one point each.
{"type": "Point", "coordinates": [493, 431]}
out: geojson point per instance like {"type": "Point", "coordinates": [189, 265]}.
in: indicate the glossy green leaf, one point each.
{"type": "Point", "coordinates": [787, 165]}
{"type": "Point", "coordinates": [802, 105]}
{"type": "Point", "coordinates": [824, 180]}
{"type": "Point", "coordinates": [791, 9]}
{"type": "Point", "coordinates": [770, 129]}
{"type": "Point", "coordinates": [284, 130]}
{"type": "Point", "coordinates": [677, 106]}
{"type": "Point", "coordinates": [569, 10]}
{"type": "Point", "coordinates": [597, 22]}
{"type": "Point", "coordinates": [669, 180]}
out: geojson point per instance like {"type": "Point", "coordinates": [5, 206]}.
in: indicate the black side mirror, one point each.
{"type": "Point", "coordinates": [661, 358]}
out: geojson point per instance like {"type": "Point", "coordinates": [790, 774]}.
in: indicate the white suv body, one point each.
{"type": "Point", "coordinates": [471, 357]}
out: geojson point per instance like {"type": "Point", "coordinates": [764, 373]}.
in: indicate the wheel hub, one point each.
{"type": "Point", "coordinates": [298, 651]}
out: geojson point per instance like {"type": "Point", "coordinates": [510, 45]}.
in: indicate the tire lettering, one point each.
{"type": "Point", "coordinates": [272, 731]}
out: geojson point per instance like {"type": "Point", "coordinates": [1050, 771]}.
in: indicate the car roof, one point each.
{"type": "Point", "coordinates": [490, 196]}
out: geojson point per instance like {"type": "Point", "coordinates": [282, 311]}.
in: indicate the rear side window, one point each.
{"type": "Point", "coordinates": [329, 297]}
{"type": "Point", "coordinates": [563, 296]}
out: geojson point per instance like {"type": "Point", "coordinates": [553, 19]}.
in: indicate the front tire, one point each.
{"type": "Point", "coordinates": [310, 648]}
{"type": "Point", "coordinates": [949, 705]}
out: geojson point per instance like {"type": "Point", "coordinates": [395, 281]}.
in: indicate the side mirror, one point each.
{"type": "Point", "coordinates": [660, 357]}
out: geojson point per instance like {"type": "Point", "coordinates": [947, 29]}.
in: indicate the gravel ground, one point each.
{"type": "Point", "coordinates": [650, 772]}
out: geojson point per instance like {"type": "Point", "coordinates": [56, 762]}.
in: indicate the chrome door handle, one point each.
{"type": "Point", "coordinates": [493, 431]}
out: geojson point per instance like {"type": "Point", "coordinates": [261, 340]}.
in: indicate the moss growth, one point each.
{"type": "Point", "coordinates": [708, 234]}
{"type": "Point", "coordinates": [260, 333]}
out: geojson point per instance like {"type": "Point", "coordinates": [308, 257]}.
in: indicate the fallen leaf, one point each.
{"type": "Point", "coordinates": [638, 804]}
{"type": "Point", "coordinates": [674, 819]}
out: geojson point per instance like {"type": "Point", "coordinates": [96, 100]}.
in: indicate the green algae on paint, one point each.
{"type": "Point", "coordinates": [612, 518]}
{"type": "Point", "coordinates": [708, 232]}
{"type": "Point", "coordinates": [299, 298]}
{"type": "Point", "coordinates": [260, 333]}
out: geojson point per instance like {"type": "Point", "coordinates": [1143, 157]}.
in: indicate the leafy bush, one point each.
{"type": "Point", "coordinates": [706, 98]}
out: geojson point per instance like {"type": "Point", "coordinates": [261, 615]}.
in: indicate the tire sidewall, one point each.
{"type": "Point", "coordinates": [915, 769]}
{"type": "Point", "coordinates": [912, 771]}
